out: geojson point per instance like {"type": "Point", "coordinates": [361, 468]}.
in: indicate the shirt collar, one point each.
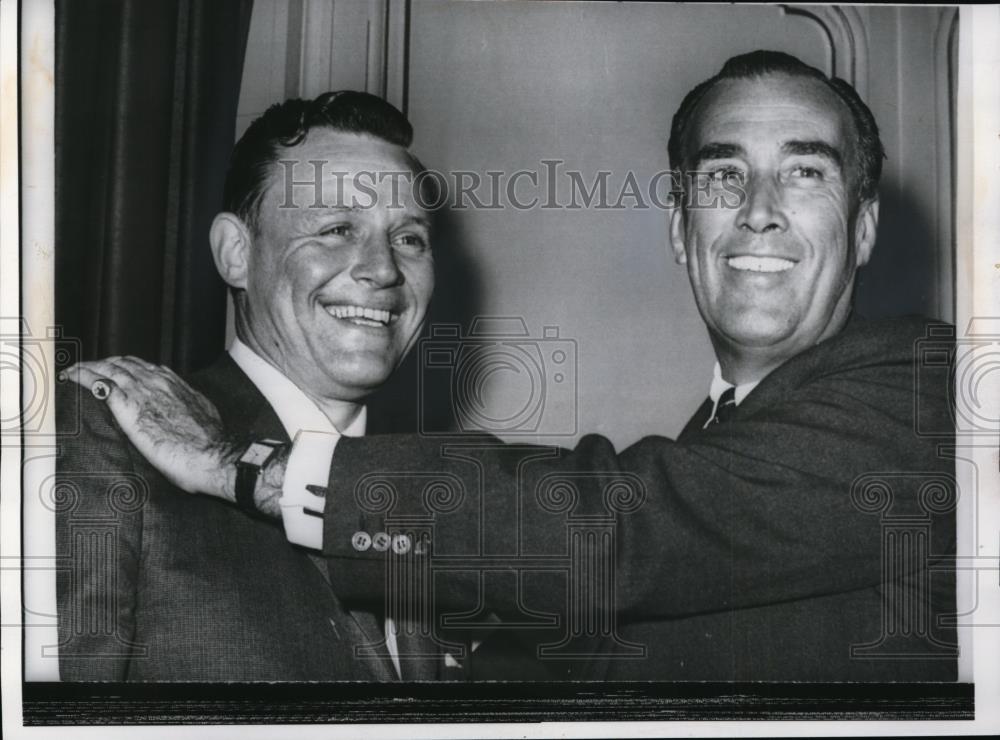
{"type": "Point", "coordinates": [294, 408]}
{"type": "Point", "coordinates": [719, 386]}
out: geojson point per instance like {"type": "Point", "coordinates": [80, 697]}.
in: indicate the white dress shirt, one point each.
{"type": "Point", "coordinates": [315, 438]}
{"type": "Point", "coordinates": [720, 386]}
{"type": "Point", "coordinates": [294, 408]}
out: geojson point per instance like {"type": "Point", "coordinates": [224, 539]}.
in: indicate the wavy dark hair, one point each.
{"type": "Point", "coordinates": [870, 152]}
{"type": "Point", "coordinates": [287, 124]}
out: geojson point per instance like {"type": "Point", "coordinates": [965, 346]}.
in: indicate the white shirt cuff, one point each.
{"type": "Point", "coordinates": [308, 465]}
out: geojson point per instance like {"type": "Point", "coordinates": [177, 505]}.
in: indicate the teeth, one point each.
{"type": "Point", "coordinates": [760, 264]}
{"type": "Point", "coordinates": [375, 316]}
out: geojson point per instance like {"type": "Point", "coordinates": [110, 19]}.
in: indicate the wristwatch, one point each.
{"type": "Point", "coordinates": [249, 467]}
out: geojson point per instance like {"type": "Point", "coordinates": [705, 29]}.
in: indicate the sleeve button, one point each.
{"type": "Point", "coordinates": [361, 541]}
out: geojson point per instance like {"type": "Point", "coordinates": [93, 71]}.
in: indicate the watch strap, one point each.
{"type": "Point", "coordinates": [246, 483]}
{"type": "Point", "coordinates": [248, 472]}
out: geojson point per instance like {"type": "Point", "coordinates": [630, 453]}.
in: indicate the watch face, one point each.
{"type": "Point", "coordinates": [257, 454]}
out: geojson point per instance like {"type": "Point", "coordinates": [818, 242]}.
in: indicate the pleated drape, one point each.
{"type": "Point", "coordinates": [146, 99]}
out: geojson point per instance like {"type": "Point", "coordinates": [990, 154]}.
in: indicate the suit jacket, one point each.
{"type": "Point", "coordinates": [806, 539]}
{"type": "Point", "coordinates": [160, 585]}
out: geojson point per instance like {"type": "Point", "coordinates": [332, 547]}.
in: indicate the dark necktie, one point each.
{"type": "Point", "coordinates": [725, 408]}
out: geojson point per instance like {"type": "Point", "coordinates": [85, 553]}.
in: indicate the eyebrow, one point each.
{"type": "Point", "coordinates": [717, 150]}
{"type": "Point", "coordinates": [320, 213]}
{"type": "Point", "coordinates": [820, 148]}
{"type": "Point", "coordinates": [723, 150]}
{"type": "Point", "coordinates": [418, 220]}
{"type": "Point", "coordinates": [316, 215]}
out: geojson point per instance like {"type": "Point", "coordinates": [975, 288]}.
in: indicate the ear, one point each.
{"type": "Point", "coordinates": [865, 228]}
{"type": "Point", "coordinates": [231, 242]}
{"type": "Point", "coordinates": [677, 235]}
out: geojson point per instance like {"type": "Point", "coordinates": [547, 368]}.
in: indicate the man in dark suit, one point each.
{"type": "Point", "coordinates": [328, 301]}
{"type": "Point", "coordinates": [798, 529]}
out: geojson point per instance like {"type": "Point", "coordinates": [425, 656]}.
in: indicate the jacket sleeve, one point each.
{"type": "Point", "coordinates": [787, 501]}
{"type": "Point", "coordinates": [98, 500]}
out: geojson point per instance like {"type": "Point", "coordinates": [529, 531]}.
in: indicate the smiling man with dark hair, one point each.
{"type": "Point", "coordinates": [764, 548]}
{"type": "Point", "coordinates": [328, 302]}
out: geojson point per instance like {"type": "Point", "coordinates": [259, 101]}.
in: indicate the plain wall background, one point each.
{"type": "Point", "coordinates": [503, 86]}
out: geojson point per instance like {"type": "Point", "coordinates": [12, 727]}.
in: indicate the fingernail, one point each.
{"type": "Point", "coordinates": [62, 375]}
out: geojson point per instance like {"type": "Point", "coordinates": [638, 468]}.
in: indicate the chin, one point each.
{"type": "Point", "coordinates": [761, 331]}
{"type": "Point", "coordinates": [364, 381]}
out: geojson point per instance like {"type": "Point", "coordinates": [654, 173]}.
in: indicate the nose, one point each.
{"type": "Point", "coordinates": [375, 263]}
{"type": "Point", "coordinates": [762, 211]}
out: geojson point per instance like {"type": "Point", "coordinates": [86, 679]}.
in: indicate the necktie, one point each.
{"type": "Point", "coordinates": [724, 409]}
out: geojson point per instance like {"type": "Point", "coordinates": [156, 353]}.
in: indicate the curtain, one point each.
{"type": "Point", "coordinates": [146, 98]}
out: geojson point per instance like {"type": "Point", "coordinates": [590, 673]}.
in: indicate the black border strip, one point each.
{"type": "Point", "coordinates": [48, 704]}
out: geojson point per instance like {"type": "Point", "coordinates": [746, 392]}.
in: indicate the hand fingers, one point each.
{"type": "Point", "coordinates": [111, 384]}
{"type": "Point", "coordinates": [135, 380]}
{"type": "Point", "coordinates": [105, 367]}
{"type": "Point", "coordinates": [143, 373]}
{"type": "Point", "coordinates": [173, 381]}
{"type": "Point", "coordinates": [137, 368]}
{"type": "Point", "coordinates": [176, 380]}
{"type": "Point", "coordinates": [121, 377]}
{"type": "Point", "coordinates": [98, 383]}
{"type": "Point", "coordinates": [112, 371]}
{"type": "Point", "coordinates": [127, 372]}
{"type": "Point", "coordinates": [133, 360]}
{"type": "Point", "coordinates": [169, 372]}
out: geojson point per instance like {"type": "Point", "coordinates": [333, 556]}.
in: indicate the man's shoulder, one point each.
{"type": "Point", "coordinates": [866, 344]}
{"type": "Point", "coordinates": [79, 413]}
{"type": "Point", "coordinates": [84, 422]}
{"type": "Point", "coordinates": [94, 460]}
{"type": "Point", "coordinates": [240, 403]}
{"type": "Point", "coordinates": [878, 359]}
{"type": "Point", "coordinates": [895, 333]}
{"type": "Point", "coordinates": [226, 385]}
{"type": "Point", "coordinates": [221, 377]}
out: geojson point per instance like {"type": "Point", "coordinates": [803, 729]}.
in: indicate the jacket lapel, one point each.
{"type": "Point", "coordinates": [243, 408]}
{"type": "Point", "coordinates": [697, 422]}
{"type": "Point", "coordinates": [247, 414]}
{"type": "Point", "coordinates": [783, 381]}
{"type": "Point", "coordinates": [363, 629]}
